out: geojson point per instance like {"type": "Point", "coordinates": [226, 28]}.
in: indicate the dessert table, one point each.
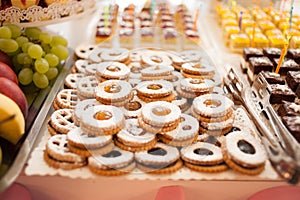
{"type": "Point", "coordinates": [81, 31]}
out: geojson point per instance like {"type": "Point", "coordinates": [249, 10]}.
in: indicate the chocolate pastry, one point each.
{"type": "Point", "coordinates": [294, 54]}
{"type": "Point", "coordinates": [287, 65]}
{"type": "Point", "coordinates": [252, 52]}
{"type": "Point", "coordinates": [289, 108]}
{"type": "Point", "coordinates": [280, 93]}
{"type": "Point", "coordinates": [272, 52]}
{"type": "Point", "coordinates": [292, 123]}
{"type": "Point", "coordinates": [273, 78]}
{"type": "Point", "coordinates": [293, 79]}
{"type": "Point", "coordinates": [258, 64]}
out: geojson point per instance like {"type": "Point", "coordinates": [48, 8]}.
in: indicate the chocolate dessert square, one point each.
{"type": "Point", "coordinates": [292, 123]}
{"type": "Point", "coordinates": [273, 78]}
{"type": "Point", "coordinates": [293, 79]}
{"type": "Point", "coordinates": [294, 54]}
{"type": "Point", "coordinates": [289, 109]}
{"type": "Point", "coordinates": [281, 93]}
{"type": "Point", "coordinates": [272, 52]}
{"type": "Point", "coordinates": [287, 65]}
{"type": "Point", "coordinates": [252, 52]}
{"type": "Point", "coordinates": [258, 64]}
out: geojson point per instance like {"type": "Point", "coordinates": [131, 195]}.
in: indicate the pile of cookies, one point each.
{"type": "Point", "coordinates": [114, 121]}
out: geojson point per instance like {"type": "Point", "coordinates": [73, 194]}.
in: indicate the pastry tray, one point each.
{"type": "Point", "coordinates": [15, 156]}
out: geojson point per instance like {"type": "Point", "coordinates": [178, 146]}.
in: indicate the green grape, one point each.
{"type": "Point", "coordinates": [41, 65]}
{"type": "Point", "coordinates": [5, 32]}
{"type": "Point", "coordinates": [51, 73]}
{"type": "Point", "coordinates": [46, 47]}
{"type": "Point", "coordinates": [33, 33]}
{"type": "Point", "coordinates": [52, 59]}
{"type": "Point", "coordinates": [60, 51]}
{"type": "Point", "coordinates": [17, 66]}
{"type": "Point", "coordinates": [25, 46]}
{"type": "Point", "coordinates": [45, 38]}
{"type": "Point", "coordinates": [35, 51]}
{"type": "Point", "coordinates": [21, 40]}
{"type": "Point", "coordinates": [59, 40]}
{"type": "Point", "coordinates": [16, 30]}
{"type": "Point", "coordinates": [25, 76]}
{"type": "Point", "coordinates": [24, 59]}
{"type": "Point", "coordinates": [8, 45]}
{"type": "Point", "coordinates": [40, 80]}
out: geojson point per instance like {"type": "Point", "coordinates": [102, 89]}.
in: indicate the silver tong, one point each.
{"type": "Point", "coordinates": [281, 147]}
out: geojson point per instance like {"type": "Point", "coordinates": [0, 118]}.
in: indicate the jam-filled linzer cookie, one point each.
{"type": "Point", "coordinates": [66, 98]}
{"type": "Point", "coordinates": [82, 106]}
{"type": "Point", "coordinates": [160, 159]}
{"type": "Point", "coordinates": [159, 116]}
{"type": "Point", "coordinates": [192, 87]}
{"type": "Point", "coordinates": [117, 162]}
{"type": "Point", "coordinates": [203, 157]}
{"type": "Point", "coordinates": [102, 120]}
{"type": "Point", "coordinates": [133, 138]}
{"type": "Point", "coordinates": [186, 132]}
{"type": "Point", "coordinates": [114, 92]}
{"type": "Point", "coordinates": [88, 145]}
{"type": "Point", "coordinates": [61, 122]}
{"type": "Point", "coordinates": [150, 91]}
{"type": "Point", "coordinates": [133, 108]}
{"type": "Point", "coordinates": [112, 70]}
{"type": "Point", "coordinates": [58, 155]}
{"type": "Point", "coordinates": [116, 55]}
{"type": "Point", "coordinates": [243, 153]}
{"type": "Point", "coordinates": [214, 112]}
{"type": "Point", "coordinates": [86, 87]}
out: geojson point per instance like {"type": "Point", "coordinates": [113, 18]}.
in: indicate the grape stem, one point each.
{"type": "Point", "coordinates": [7, 119]}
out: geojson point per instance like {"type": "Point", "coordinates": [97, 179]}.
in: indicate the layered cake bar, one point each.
{"type": "Point", "coordinates": [272, 52]}
{"type": "Point", "coordinates": [288, 109]}
{"type": "Point", "coordinates": [295, 42]}
{"type": "Point", "coordinates": [272, 78]}
{"type": "Point", "coordinates": [258, 64]}
{"type": "Point", "coordinates": [281, 93]}
{"type": "Point", "coordinates": [287, 65]}
{"type": "Point", "coordinates": [293, 79]}
{"type": "Point", "coordinates": [238, 42]}
{"type": "Point", "coordinates": [292, 123]}
{"type": "Point", "coordinates": [252, 52]}
{"type": "Point", "coordinates": [294, 54]}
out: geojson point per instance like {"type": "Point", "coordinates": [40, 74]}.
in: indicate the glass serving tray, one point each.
{"type": "Point", "coordinates": [40, 101]}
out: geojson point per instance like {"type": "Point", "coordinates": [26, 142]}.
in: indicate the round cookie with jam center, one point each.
{"type": "Point", "coordinates": [160, 113]}
{"type": "Point", "coordinates": [196, 85]}
{"type": "Point", "coordinates": [102, 120]}
{"type": "Point", "coordinates": [160, 159]}
{"type": "Point", "coordinates": [244, 153]}
{"type": "Point", "coordinates": [203, 157]}
{"type": "Point", "coordinates": [112, 70]}
{"type": "Point", "coordinates": [154, 89]}
{"type": "Point", "coordinates": [133, 138]}
{"type": "Point", "coordinates": [114, 92]}
{"type": "Point", "coordinates": [116, 55]}
{"type": "Point", "coordinates": [82, 106]}
{"type": "Point", "coordinates": [150, 58]}
{"type": "Point", "coordinates": [133, 108]}
{"type": "Point", "coordinates": [117, 162]}
{"type": "Point", "coordinates": [186, 132]}
{"type": "Point", "coordinates": [198, 69]}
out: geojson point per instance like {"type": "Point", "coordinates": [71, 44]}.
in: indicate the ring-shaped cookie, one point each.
{"type": "Point", "coordinates": [212, 105]}
{"type": "Point", "coordinates": [202, 153]}
{"type": "Point", "coordinates": [98, 119]}
{"type": "Point", "coordinates": [198, 69]}
{"type": "Point", "coordinates": [113, 90]}
{"type": "Point", "coordinates": [191, 55]}
{"type": "Point", "coordinates": [133, 108]}
{"type": "Point", "coordinates": [154, 88]}
{"type": "Point", "coordinates": [150, 58]}
{"type": "Point", "coordinates": [160, 154]}
{"type": "Point", "coordinates": [196, 85]}
{"type": "Point", "coordinates": [81, 65]}
{"type": "Point", "coordinates": [115, 54]}
{"type": "Point", "coordinates": [157, 70]}
{"type": "Point", "coordinates": [83, 51]}
{"type": "Point", "coordinates": [112, 70]}
{"type": "Point", "coordinates": [82, 106]}
{"type": "Point", "coordinates": [116, 159]}
{"type": "Point", "coordinates": [160, 113]}
{"type": "Point", "coordinates": [244, 149]}
{"type": "Point", "coordinates": [187, 128]}
{"type": "Point", "coordinates": [134, 134]}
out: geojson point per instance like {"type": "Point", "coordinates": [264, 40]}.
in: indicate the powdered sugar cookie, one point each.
{"type": "Point", "coordinates": [112, 70]}
{"type": "Point", "coordinates": [134, 138]}
{"type": "Point", "coordinates": [86, 87]}
{"type": "Point", "coordinates": [83, 51]}
{"type": "Point", "coordinates": [114, 92]}
{"type": "Point", "coordinates": [204, 157]}
{"type": "Point", "coordinates": [91, 69]}
{"type": "Point", "coordinates": [186, 132]}
{"type": "Point", "coordinates": [176, 78]}
{"type": "Point", "coordinates": [71, 80]}
{"type": "Point", "coordinates": [160, 159]}
{"type": "Point", "coordinates": [196, 85]}
{"type": "Point", "coordinates": [135, 70]}
{"type": "Point", "coordinates": [197, 69]}
{"type": "Point", "coordinates": [154, 89]}
{"type": "Point", "coordinates": [58, 155]}
{"type": "Point", "coordinates": [87, 145]}
{"type": "Point", "coordinates": [177, 61]}
{"type": "Point", "coordinates": [117, 162]}
{"type": "Point", "coordinates": [81, 65]}
{"type": "Point", "coordinates": [243, 153]}
{"type": "Point", "coordinates": [182, 103]}
{"type": "Point", "coordinates": [102, 120]}
{"type": "Point", "coordinates": [82, 106]}
{"type": "Point", "coordinates": [157, 70]}
{"type": "Point", "coordinates": [191, 55]}
{"type": "Point", "coordinates": [95, 55]}
{"type": "Point", "coordinates": [61, 122]}
{"type": "Point", "coordinates": [66, 98]}
{"type": "Point", "coordinates": [116, 55]}
{"type": "Point", "coordinates": [153, 58]}
{"type": "Point", "coordinates": [133, 108]}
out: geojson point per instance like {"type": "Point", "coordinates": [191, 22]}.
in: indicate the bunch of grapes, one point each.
{"type": "Point", "coordinates": [35, 54]}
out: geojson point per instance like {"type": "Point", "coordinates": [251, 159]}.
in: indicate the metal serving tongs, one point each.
{"type": "Point", "coordinates": [278, 147]}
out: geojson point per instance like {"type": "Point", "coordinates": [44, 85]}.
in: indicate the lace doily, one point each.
{"type": "Point", "coordinates": [54, 11]}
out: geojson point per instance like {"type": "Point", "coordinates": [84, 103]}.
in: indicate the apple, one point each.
{"type": "Point", "coordinates": [12, 90]}
{"type": "Point", "coordinates": [6, 59]}
{"type": "Point", "coordinates": [23, 4]}
{"type": "Point", "coordinates": [7, 72]}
